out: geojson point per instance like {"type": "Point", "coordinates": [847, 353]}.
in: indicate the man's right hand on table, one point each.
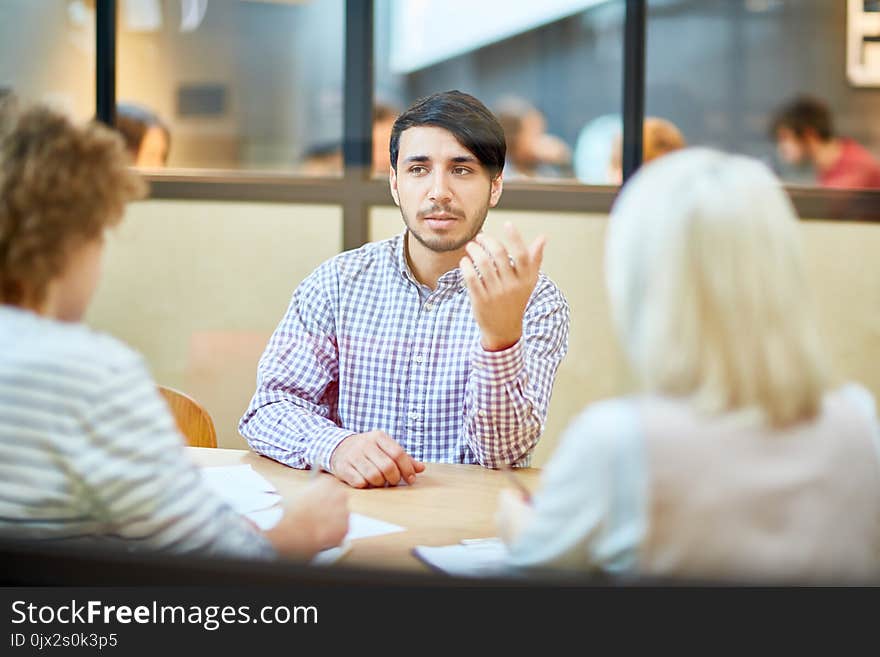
{"type": "Point", "coordinates": [373, 459]}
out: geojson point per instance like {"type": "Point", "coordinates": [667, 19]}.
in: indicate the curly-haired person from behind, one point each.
{"type": "Point", "coordinates": [89, 452]}
{"type": "Point", "coordinates": [739, 459]}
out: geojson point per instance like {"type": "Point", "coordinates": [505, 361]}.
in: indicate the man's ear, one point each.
{"type": "Point", "coordinates": [392, 183]}
{"type": "Point", "coordinates": [495, 190]}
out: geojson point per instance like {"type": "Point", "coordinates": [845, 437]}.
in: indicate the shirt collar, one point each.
{"type": "Point", "coordinates": [452, 278]}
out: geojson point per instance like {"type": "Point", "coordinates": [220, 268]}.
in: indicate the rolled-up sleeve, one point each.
{"type": "Point", "coordinates": [508, 392]}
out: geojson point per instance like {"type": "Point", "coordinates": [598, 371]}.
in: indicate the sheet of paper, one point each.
{"type": "Point", "coordinates": [254, 496]}
{"type": "Point", "coordinates": [360, 526]}
{"type": "Point", "coordinates": [470, 558]}
{"type": "Point", "coordinates": [238, 476]}
{"type": "Point", "coordinates": [266, 519]}
{"type": "Point", "coordinates": [241, 487]}
{"type": "Point", "coordinates": [327, 557]}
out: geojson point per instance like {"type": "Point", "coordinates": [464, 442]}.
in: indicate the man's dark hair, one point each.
{"type": "Point", "coordinates": [802, 114]}
{"type": "Point", "coordinates": [470, 122]}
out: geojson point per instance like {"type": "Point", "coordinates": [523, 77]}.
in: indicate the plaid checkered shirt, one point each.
{"type": "Point", "coordinates": [364, 346]}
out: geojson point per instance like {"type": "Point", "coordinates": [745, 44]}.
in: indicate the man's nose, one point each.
{"type": "Point", "coordinates": [440, 191]}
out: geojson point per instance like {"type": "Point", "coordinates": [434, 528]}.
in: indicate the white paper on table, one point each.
{"type": "Point", "coordinates": [359, 526]}
{"type": "Point", "coordinates": [266, 519]}
{"type": "Point", "coordinates": [243, 476]}
{"type": "Point", "coordinates": [241, 487]}
{"type": "Point", "coordinates": [470, 558]}
{"type": "Point", "coordinates": [332, 555]}
{"type": "Point", "coordinates": [254, 496]}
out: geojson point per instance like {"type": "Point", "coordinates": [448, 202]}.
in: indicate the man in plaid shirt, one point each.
{"type": "Point", "coordinates": [440, 344]}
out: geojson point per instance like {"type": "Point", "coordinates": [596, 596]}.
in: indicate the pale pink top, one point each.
{"type": "Point", "coordinates": [648, 486]}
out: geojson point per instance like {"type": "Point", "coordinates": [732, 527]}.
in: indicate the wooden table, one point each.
{"type": "Point", "coordinates": [446, 504]}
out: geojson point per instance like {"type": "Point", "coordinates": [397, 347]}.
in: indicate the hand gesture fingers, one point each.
{"type": "Point", "coordinates": [501, 258]}
{"type": "Point", "coordinates": [527, 259]}
{"type": "Point", "coordinates": [500, 277]}
{"type": "Point", "coordinates": [485, 265]}
{"type": "Point", "coordinates": [472, 278]}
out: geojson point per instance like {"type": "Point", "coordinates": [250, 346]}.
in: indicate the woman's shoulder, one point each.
{"type": "Point", "coordinates": [857, 395]}
{"type": "Point", "coordinates": [603, 425]}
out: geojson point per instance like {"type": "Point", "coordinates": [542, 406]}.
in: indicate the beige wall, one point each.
{"type": "Point", "coordinates": [843, 261]}
{"type": "Point", "coordinates": [199, 286]}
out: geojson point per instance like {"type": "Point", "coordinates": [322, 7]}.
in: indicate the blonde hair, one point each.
{"type": "Point", "coordinates": [708, 289]}
{"type": "Point", "coordinates": [60, 185]}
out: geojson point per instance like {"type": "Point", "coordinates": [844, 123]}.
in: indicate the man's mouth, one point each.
{"type": "Point", "coordinates": [440, 221]}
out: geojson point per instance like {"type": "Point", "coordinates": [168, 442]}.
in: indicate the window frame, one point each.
{"type": "Point", "coordinates": [357, 191]}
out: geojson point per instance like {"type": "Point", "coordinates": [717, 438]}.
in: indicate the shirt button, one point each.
{"type": "Point", "coordinates": [482, 413]}
{"type": "Point", "coordinates": [429, 307]}
{"type": "Point", "coordinates": [418, 359]}
{"type": "Point", "coordinates": [413, 415]}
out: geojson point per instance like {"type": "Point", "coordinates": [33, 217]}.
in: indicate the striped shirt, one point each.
{"type": "Point", "coordinates": [364, 346]}
{"type": "Point", "coordinates": [90, 453]}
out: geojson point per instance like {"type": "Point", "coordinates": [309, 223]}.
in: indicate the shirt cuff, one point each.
{"type": "Point", "coordinates": [498, 366]}
{"type": "Point", "coordinates": [321, 448]}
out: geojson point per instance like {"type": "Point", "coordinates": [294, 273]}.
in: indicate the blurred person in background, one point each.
{"type": "Point", "coordinates": [531, 151]}
{"type": "Point", "coordinates": [738, 459]}
{"type": "Point", "coordinates": [322, 160]}
{"type": "Point", "coordinates": [147, 138]}
{"type": "Point", "coordinates": [804, 134]}
{"type": "Point", "coordinates": [327, 159]}
{"type": "Point", "coordinates": [659, 137]}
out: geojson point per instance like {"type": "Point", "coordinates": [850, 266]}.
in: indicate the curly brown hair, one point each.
{"type": "Point", "coordinates": [61, 185]}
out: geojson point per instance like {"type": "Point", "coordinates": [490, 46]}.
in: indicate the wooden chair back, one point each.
{"type": "Point", "coordinates": [192, 419]}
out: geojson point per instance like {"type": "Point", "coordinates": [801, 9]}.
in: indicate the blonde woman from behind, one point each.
{"type": "Point", "coordinates": [738, 459]}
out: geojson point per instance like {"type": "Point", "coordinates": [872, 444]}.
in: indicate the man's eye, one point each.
{"type": "Point", "coordinates": [461, 171]}
{"type": "Point", "coordinates": [418, 171]}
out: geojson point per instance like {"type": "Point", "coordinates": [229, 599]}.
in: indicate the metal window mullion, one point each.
{"type": "Point", "coordinates": [633, 85]}
{"type": "Point", "coordinates": [358, 120]}
{"type": "Point", "coordinates": [105, 61]}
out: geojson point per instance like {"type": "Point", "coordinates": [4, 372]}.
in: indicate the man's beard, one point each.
{"type": "Point", "coordinates": [439, 244]}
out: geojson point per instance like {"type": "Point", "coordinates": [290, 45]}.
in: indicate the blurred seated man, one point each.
{"type": "Point", "coordinates": [89, 451]}
{"type": "Point", "coordinates": [327, 159]}
{"type": "Point", "coordinates": [659, 137]}
{"type": "Point", "coordinates": [147, 138]}
{"type": "Point", "coordinates": [804, 133]}
{"type": "Point", "coordinates": [322, 160]}
{"type": "Point", "coordinates": [531, 152]}
{"type": "Point", "coordinates": [739, 459]}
